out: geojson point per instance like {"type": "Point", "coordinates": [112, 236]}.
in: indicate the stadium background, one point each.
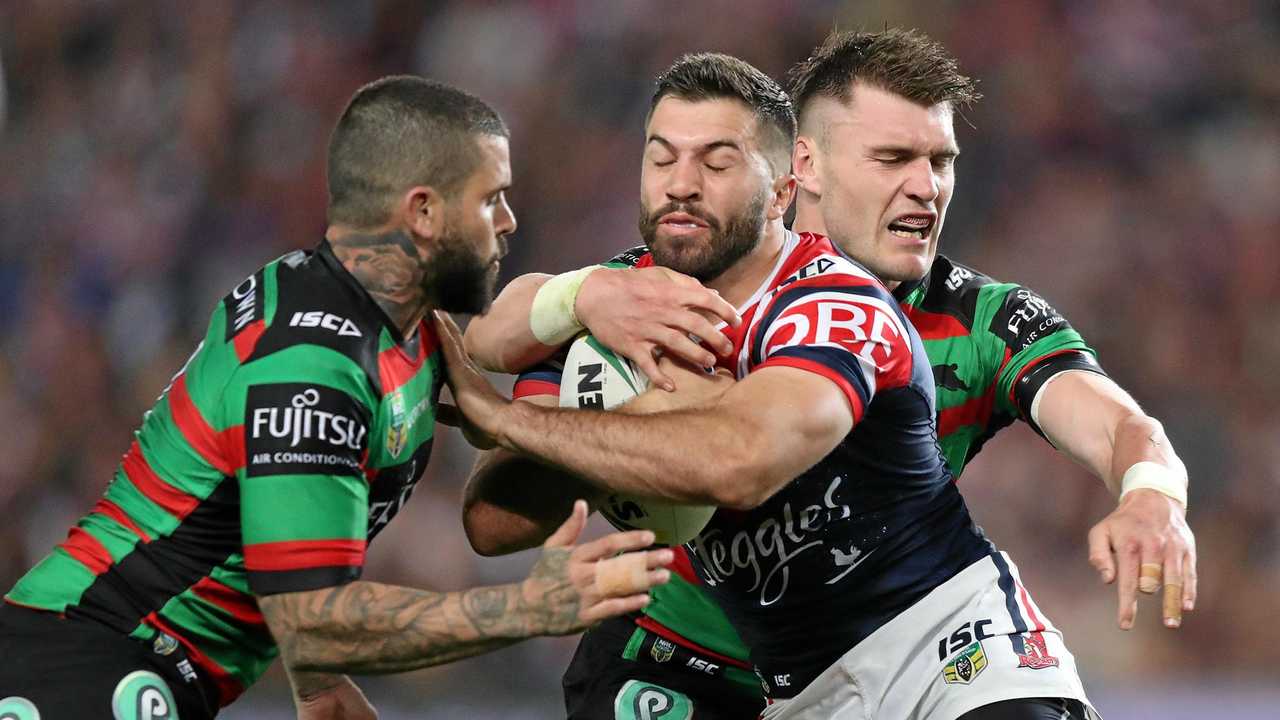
{"type": "Point", "coordinates": [1125, 163]}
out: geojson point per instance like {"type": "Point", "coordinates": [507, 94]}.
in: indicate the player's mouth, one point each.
{"type": "Point", "coordinates": [914, 226]}
{"type": "Point", "coordinates": [680, 222]}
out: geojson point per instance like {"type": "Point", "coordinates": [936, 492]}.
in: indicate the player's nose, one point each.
{"type": "Point", "coordinates": [685, 181]}
{"type": "Point", "coordinates": [922, 182]}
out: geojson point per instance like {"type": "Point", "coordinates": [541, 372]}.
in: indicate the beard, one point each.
{"type": "Point", "coordinates": [729, 242]}
{"type": "Point", "coordinates": [458, 280]}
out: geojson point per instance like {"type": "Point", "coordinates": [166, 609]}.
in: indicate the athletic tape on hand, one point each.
{"type": "Point", "coordinates": [553, 319]}
{"type": "Point", "coordinates": [1154, 476]}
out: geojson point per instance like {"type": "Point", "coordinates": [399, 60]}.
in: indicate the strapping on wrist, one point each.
{"type": "Point", "coordinates": [1147, 475]}
{"type": "Point", "coordinates": [553, 318]}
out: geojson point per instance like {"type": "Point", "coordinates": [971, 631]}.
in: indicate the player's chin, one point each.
{"type": "Point", "coordinates": [908, 265]}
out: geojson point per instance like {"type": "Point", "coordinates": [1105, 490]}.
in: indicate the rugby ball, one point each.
{"type": "Point", "coordinates": [596, 378]}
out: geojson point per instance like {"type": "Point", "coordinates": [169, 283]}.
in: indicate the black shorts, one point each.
{"type": "Point", "coordinates": [1033, 709]}
{"type": "Point", "coordinates": [69, 669]}
{"type": "Point", "coordinates": [621, 671]}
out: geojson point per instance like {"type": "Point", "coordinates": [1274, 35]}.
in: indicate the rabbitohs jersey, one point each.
{"type": "Point", "coordinates": [292, 436]}
{"type": "Point", "coordinates": [991, 345]}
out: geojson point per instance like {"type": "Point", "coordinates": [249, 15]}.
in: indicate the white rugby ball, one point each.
{"type": "Point", "coordinates": [597, 378]}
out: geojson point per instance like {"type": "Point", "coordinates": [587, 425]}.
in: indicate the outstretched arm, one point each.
{"type": "Point", "coordinates": [1092, 420]}
{"type": "Point", "coordinates": [366, 627]}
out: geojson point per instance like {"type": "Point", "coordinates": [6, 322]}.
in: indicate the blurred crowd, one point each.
{"type": "Point", "coordinates": [1125, 163]}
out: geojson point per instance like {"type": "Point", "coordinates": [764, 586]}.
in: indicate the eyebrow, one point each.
{"type": "Point", "coordinates": [908, 150]}
{"type": "Point", "coordinates": [705, 148]}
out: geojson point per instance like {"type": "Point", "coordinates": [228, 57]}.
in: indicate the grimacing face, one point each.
{"type": "Point", "coordinates": [885, 171]}
{"type": "Point", "coordinates": [465, 259]}
{"type": "Point", "coordinates": [704, 185]}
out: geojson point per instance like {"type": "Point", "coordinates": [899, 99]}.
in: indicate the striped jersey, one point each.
{"type": "Point", "coordinates": [991, 346]}
{"type": "Point", "coordinates": [294, 433]}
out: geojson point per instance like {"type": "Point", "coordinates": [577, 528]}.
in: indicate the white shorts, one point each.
{"type": "Point", "coordinates": [976, 639]}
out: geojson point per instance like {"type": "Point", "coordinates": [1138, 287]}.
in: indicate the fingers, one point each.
{"type": "Point", "coordinates": [1127, 585]}
{"type": "Point", "coordinates": [645, 361]}
{"type": "Point", "coordinates": [1189, 588]}
{"type": "Point", "coordinates": [1100, 552]}
{"type": "Point", "coordinates": [568, 532]}
{"type": "Point", "coordinates": [676, 343]}
{"type": "Point", "coordinates": [711, 302]}
{"type": "Point", "coordinates": [449, 333]}
{"type": "Point", "coordinates": [1149, 576]}
{"type": "Point", "coordinates": [627, 574]}
{"type": "Point", "coordinates": [613, 544]}
{"type": "Point", "coordinates": [696, 324]}
{"type": "Point", "coordinates": [1173, 581]}
{"type": "Point", "coordinates": [613, 606]}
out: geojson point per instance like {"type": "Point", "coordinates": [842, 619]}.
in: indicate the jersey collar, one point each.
{"type": "Point", "coordinates": [364, 301]}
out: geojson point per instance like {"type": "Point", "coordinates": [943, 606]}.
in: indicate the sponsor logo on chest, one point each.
{"type": "Point", "coordinates": [303, 420]}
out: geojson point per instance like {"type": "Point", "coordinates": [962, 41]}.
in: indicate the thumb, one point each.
{"type": "Point", "coordinates": [567, 534]}
{"type": "Point", "coordinates": [1100, 552]}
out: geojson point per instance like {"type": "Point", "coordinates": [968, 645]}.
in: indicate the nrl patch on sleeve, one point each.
{"type": "Point", "coordinates": [303, 429]}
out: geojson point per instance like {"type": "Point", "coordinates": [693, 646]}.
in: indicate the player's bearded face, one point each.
{"type": "Point", "coordinates": [458, 277]}
{"type": "Point", "coordinates": [727, 240]}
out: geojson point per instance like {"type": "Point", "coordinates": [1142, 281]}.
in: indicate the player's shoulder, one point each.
{"type": "Point", "coordinates": [955, 289]}
{"type": "Point", "coordinates": [304, 310]}
{"type": "Point", "coordinates": [814, 261]}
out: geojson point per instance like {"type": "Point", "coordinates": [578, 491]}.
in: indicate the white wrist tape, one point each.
{"type": "Point", "coordinates": [552, 318]}
{"type": "Point", "coordinates": [1154, 476]}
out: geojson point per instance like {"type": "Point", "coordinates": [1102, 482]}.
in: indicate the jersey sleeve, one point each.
{"type": "Point", "coordinates": [304, 497]}
{"type": "Point", "coordinates": [541, 379]}
{"type": "Point", "coordinates": [849, 332]}
{"type": "Point", "coordinates": [1036, 343]}
{"type": "Point", "coordinates": [627, 258]}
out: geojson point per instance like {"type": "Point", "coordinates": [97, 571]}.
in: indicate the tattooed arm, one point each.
{"type": "Point", "coordinates": [366, 627]}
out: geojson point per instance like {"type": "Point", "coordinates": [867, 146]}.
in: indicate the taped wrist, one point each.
{"type": "Point", "coordinates": [1149, 475]}
{"type": "Point", "coordinates": [553, 319]}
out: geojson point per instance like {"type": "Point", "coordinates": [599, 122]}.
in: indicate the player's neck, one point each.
{"type": "Point", "coordinates": [738, 283]}
{"type": "Point", "coordinates": [389, 267]}
{"type": "Point", "coordinates": [808, 216]}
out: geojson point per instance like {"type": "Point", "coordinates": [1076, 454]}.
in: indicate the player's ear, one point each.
{"type": "Point", "coordinates": [423, 208]}
{"type": "Point", "coordinates": [806, 159]}
{"type": "Point", "coordinates": [784, 191]}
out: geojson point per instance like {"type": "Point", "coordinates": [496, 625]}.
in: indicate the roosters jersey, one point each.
{"type": "Point", "coordinates": [872, 527]}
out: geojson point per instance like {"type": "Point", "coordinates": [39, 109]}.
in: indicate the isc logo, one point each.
{"type": "Point", "coordinates": [327, 321]}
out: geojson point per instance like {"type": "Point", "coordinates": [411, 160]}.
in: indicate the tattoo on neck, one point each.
{"type": "Point", "coordinates": [390, 268]}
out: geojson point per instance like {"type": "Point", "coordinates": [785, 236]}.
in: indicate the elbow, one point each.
{"type": "Point", "coordinates": [484, 544]}
{"type": "Point", "coordinates": [746, 482]}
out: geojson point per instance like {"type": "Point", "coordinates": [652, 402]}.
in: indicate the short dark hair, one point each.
{"type": "Point", "coordinates": [903, 62]}
{"type": "Point", "coordinates": [398, 132]}
{"type": "Point", "coordinates": [714, 76]}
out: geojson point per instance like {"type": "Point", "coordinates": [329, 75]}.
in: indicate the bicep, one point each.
{"type": "Point", "coordinates": [798, 416]}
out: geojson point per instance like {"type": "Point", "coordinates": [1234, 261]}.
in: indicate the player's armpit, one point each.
{"type": "Point", "coordinates": [501, 340]}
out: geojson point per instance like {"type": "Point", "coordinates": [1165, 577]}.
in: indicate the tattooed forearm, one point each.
{"type": "Point", "coordinates": [390, 268]}
{"type": "Point", "coordinates": [372, 628]}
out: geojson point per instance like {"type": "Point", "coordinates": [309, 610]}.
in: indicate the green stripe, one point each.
{"type": "Point", "coordinates": [690, 611]}
{"type": "Point", "coordinates": [116, 538]}
{"type": "Point", "coordinates": [171, 457]}
{"type": "Point", "coordinates": [632, 650]}
{"type": "Point", "coordinates": [54, 583]}
{"type": "Point", "coordinates": [612, 359]}
{"type": "Point", "coordinates": [155, 520]}
{"type": "Point", "coordinates": [321, 365]}
{"type": "Point", "coordinates": [336, 507]}
{"type": "Point", "coordinates": [242, 651]}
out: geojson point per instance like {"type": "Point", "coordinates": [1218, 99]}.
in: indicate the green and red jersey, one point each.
{"type": "Point", "coordinates": [991, 346]}
{"type": "Point", "coordinates": [294, 433]}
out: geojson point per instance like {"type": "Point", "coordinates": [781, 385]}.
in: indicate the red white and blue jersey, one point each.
{"type": "Point", "coordinates": [871, 528]}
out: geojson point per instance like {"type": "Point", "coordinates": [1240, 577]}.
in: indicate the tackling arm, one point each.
{"type": "Point", "coordinates": [1093, 421]}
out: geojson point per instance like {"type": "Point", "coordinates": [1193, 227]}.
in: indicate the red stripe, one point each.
{"type": "Point", "coordinates": [236, 604]}
{"type": "Point", "coordinates": [88, 550]}
{"type": "Point", "coordinates": [1013, 385]}
{"type": "Point", "coordinates": [683, 567]}
{"type": "Point", "coordinates": [247, 339]}
{"type": "Point", "coordinates": [194, 428]}
{"type": "Point", "coordinates": [934, 326]}
{"type": "Point", "coordinates": [818, 368]}
{"type": "Point", "coordinates": [303, 554]}
{"type": "Point", "coordinates": [229, 688]}
{"type": "Point", "coordinates": [529, 388]}
{"type": "Point", "coordinates": [1026, 605]}
{"type": "Point", "coordinates": [395, 368]}
{"type": "Point", "coordinates": [974, 411]}
{"type": "Point", "coordinates": [663, 631]}
{"type": "Point", "coordinates": [113, 511]}
{"type": "Point", "coordinates": [174, 501]}
{"type": "Point", "coordinates": [231, 441]}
